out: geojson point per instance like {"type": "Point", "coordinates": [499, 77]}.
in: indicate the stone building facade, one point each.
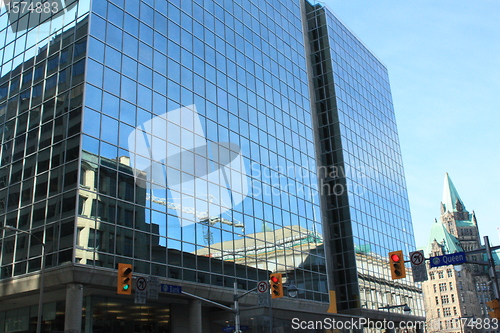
{"type": "Point", "coordinates": [455, 296]}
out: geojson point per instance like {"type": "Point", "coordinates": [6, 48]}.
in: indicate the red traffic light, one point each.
{"type": "Point", "coordinates": [397, 264]}
{"type": "Point", "coordinates": [395, 258]}
{"type": "Point", "coordinates": [276, 285]}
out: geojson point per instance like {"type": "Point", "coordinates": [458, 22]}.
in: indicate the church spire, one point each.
{"type": "Point", "coordinates": [451, 200]}
{"type": "Point", "coordinates": [473, 218]}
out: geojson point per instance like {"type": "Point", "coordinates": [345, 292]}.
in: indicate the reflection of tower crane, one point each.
{"type": "Point", "coordinates": [207, 234]}
{"type": "Point", "coordinates": [203, 217]}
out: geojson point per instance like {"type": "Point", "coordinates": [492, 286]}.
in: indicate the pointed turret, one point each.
{"type": "Point", "coordinates": [451, 200]}
{"type": "Point", "coordinates": [473, 218]}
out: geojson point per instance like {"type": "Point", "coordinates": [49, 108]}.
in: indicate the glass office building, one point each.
{"type": "Point", "coordinates": [362, 179]}
{"type": "Point", "coordinates": [181, 137]}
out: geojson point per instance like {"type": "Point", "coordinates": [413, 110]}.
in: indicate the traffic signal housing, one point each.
{"type": "Point", "coordinates": [124, 285]}
{"type": "Point", "coordinates": [495, 306]}
{"type": "Point", "coordinates": [397, 262]}
{"type": "Point", "coordinates": [276, 285]}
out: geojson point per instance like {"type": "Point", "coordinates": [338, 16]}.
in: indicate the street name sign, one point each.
{"type": "Point", "coordinates": [418, 268]}
{"type": "Point", "coordinates": [168, 288]}
{"type": "Point", "coordinates": [448, 259]}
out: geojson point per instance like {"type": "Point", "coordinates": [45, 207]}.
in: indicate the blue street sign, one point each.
{"type": "Point", "coordinates": [448, 259]}
{"type": "Point", "coordinates": [168, 288]}
{"type": "Point", "coordinates": [228, 329]}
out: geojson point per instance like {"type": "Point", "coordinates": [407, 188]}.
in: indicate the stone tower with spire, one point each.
{"type": "Point", "coordinates": [455, 295]}
{"type": "Point", "coordinates": [457, 220]}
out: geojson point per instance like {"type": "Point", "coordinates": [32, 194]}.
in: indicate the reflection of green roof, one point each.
{"type": "Point", "coordinates": [363, 248]}
{"type": "Point", "coordinates": [448, 242]}
{"type": "Point", "coordinates": [496, 257]}
{"type": "Point", "coordinates": [450, 195]}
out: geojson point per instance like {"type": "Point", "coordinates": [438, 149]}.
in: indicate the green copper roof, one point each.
{"type": "Point", "coordinates": [465, 223]}
{"type": "Point", "coordinates": [450, 196]}
{"type": "Point", "coordinates": [496, 257]}
{"type": "Point", "coordinates": [449, 242]}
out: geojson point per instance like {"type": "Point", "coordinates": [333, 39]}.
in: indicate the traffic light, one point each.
{"type": "Point", "coordinates": [397, 262]}
{"type": "Point", "coordinates": [495, 306]}
{"type": "Point", "coordinates": [276, 285]}
{"type": "Point", "coordinates": [124, 285]}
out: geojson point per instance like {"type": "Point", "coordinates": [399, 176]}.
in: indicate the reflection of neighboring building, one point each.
{"type": "Point", "coordinates": [274, 246]}
{"type": "Point", "coordinates": [295, 249]}
{"type": "Point", "coordinates": [377, 289]}
{"type": "Point", "coordinates": [97, 238]}
{"type": "Point", "coordinates": [40, 114]}
{"type": "Point", "coordinates": [455, 295]}
{"type": "Point", "coordinates": [98, 235]}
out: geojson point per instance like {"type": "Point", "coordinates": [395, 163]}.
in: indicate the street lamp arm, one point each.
{"type": "Point", "coordinates": [209, 301]}
{"type": "Point", "coordinates": [245, 293]}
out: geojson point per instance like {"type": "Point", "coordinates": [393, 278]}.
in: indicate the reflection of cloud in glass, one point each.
{"type": "Point", "coordinates": [32, 13]}
{"type": "Point", "coordinates": [202, 176]}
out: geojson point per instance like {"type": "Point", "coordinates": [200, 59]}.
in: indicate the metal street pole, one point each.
{"type": "Point", "coordinates": [236, 309]}
{"type": "Point", "coordinates": [42, 275]}
{"type": "Point", "coordinates": [491, 267]}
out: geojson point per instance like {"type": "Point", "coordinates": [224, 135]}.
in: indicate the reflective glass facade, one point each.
{"type": "Point", "coordinates": [183, 137]}
{"type": "Point", "coordinates": [362, 177]}
{"type": "Point", "coordinates": [41, 96]}
{"type": "Point", "coordinates": [195, 159]}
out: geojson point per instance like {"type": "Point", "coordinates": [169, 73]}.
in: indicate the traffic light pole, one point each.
{"type": "Point", "coordinates": [488, 249]}
{"type": "Point", "coordinates": [494, 304]}
{"type": "Point", "coordinates": [236, 309]}
{"type": "Point", "coordinates": [237, 324]}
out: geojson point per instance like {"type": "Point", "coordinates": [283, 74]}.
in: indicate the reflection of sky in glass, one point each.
{"type": "Point", "coordinates": [256, 101]}
{"type": "Point", "coordinates": [29, 42]}
{"type": "Point", "coordinates": [373, 164]}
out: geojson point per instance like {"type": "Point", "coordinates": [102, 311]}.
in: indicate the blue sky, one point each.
{"type": "Point", "coordinates": [443, 58]}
